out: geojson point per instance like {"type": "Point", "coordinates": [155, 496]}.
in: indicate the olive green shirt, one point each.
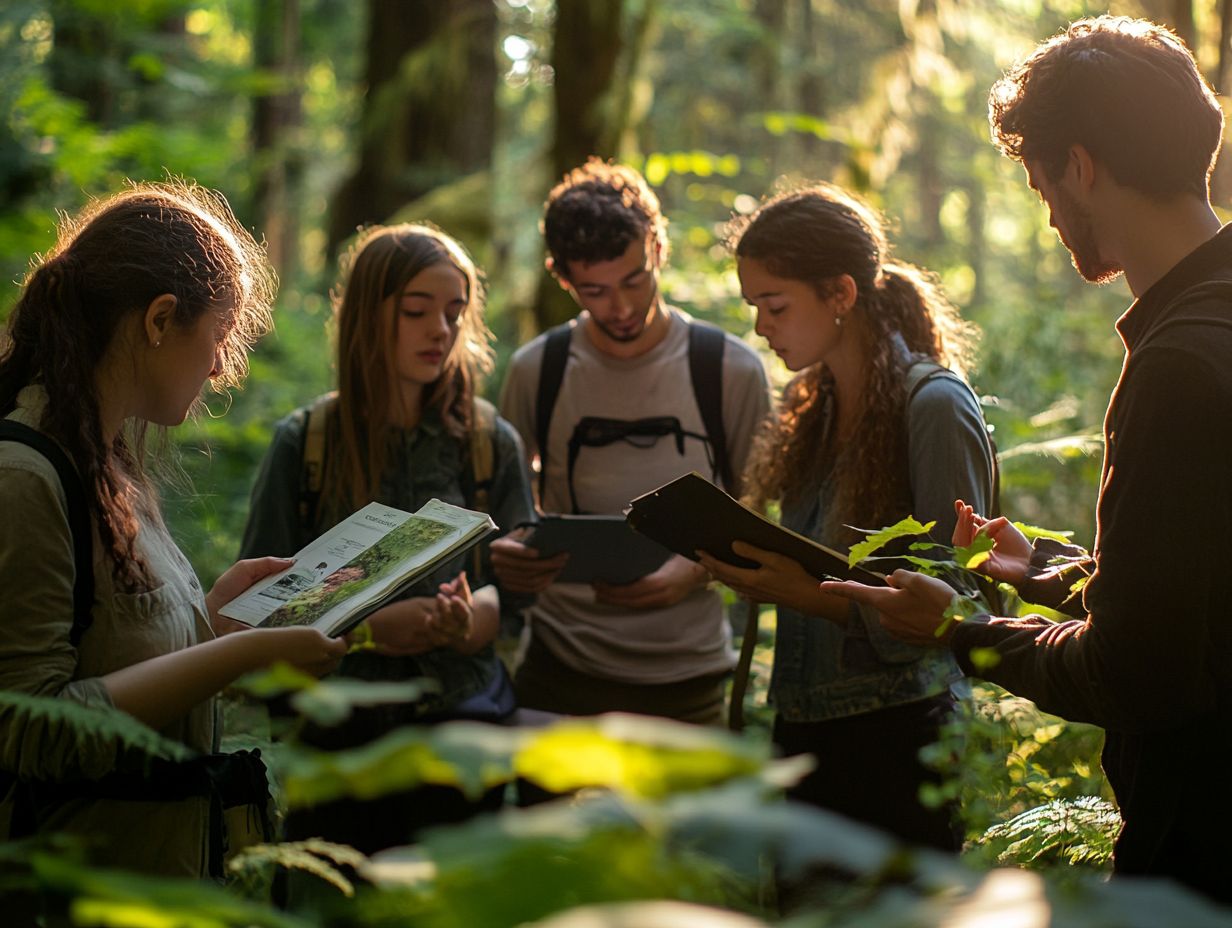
{"type": "Point", "coordinates": [36, 657]}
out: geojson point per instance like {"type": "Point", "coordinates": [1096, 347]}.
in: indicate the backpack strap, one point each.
{"type": "Point", "coordinates": [312, 470]}
{"type": "Point", "coordinates": [706, 345]}
{"type": "Point", "coordinates": [483, 455]}
{"type": "Point", "coordinates": [483, 468]}
{"type": "Point", "coordinates": [78, 519]}
{"type": "Point", "coordinates": [551, 375]}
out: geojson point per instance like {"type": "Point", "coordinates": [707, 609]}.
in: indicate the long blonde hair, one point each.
{"type": "Point", "coordinates": [815, 234]}
{"type": "Point", "coordinates": [379, 265]}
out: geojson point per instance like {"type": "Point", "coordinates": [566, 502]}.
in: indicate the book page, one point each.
{"type": "Point", "coordinates": [359, 564]}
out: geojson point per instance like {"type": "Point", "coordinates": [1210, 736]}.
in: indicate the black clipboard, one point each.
{"type": "Point", "coordinates": [691, 514]}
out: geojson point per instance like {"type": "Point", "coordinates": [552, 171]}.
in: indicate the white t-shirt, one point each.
{"type": "Point", "coordinates": [691, 638]}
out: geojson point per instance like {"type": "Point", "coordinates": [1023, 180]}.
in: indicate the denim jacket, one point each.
{"type": "Point", "coordinates": [422, 462]}
{"type": "Point", "coordinates": [825, 671]}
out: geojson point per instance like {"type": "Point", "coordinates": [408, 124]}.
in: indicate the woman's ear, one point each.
{"type": "Point", "coordinates": [844, 294]}
{"type": "Point", "coordinates": [159, 317]}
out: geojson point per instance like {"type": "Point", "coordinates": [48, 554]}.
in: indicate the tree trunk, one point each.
{"type": "Point", "coordinates": [85, 60]}
{"type": "Point", "coordinates": [277, 115]}
{"type": "Point", "coordinates": [429, 113]}
{"type": "Point", "coordinates": [596, 61]}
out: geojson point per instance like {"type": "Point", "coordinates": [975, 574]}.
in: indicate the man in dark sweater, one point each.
{"type": "Point", "coordinates": [1117, 131]}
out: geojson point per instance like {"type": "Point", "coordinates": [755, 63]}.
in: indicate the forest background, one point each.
{"type": "Point", "coordinates": [315, 117]}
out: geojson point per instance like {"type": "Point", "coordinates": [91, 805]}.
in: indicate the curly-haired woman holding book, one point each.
{"type": "Point", "coordinates": [876, 425]}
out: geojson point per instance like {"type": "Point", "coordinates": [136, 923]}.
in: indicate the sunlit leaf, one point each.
{"type": "Point", "coordinates": [119, 899]}
{"type": "Point", "coordinates": [1034, 531]}
{"type": "Point", "coordinates": [468, 755]}
{"type": "Point", "coordinates": [973, 555]}
{"type": "Point", "coordinates": [878, 538]}
{"type": "Point", "coordinates": [638, 755]}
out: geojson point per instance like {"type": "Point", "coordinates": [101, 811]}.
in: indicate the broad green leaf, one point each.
{"type": "Point", "coordinates": [330, 701]}
{"type": "Point", "coordinates": [971, 556]}
{"type": "Point", "coordinates": [468, 755]}
{"type": "Point", "coordinates": [119, 899]}
{"type": "Point", "coordinates": [637, 755]}
{"type": "Point", "coordinates": [879, 538]}
{"type": "Point", "coordinates": [1034, 531]}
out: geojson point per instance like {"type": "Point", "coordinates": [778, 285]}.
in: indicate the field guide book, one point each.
{"type": "Point", "coordinates": [691, 514]}
{"type": "Point", "coordinates": [359, 565]}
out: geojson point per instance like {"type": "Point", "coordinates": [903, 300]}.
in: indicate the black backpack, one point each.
{"type": "Point", "coordinates": [706, 344]}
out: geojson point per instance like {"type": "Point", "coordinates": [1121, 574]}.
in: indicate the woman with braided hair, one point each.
{"type": "Point", "coordinates": [145, 297]}
{"type": "Point", "coordinates": [876, 425]}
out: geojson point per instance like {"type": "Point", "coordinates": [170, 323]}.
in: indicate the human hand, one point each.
{"type": "Point", "coordinates": [304, 648]}
{"type": "Point", "coordinates": [1010, 557]}
{"type": "Point", "coordinates": [912, 607]}
{"type": "Point", "coordinates": [672, 582]}
{"type": "Point", "coordinates": [234, 581]}
{"type": "Point", "coordinates": [406, 628]}
{"type": "Point", "coordinates": [455, 617]}
{"type": "Point", "coordinates": [777, 578]}
{"type": "Point", "coordinates": [519, 568]}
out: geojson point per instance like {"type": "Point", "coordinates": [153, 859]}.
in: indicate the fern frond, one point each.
{"type": "Point", "coordinates": [104, 730]}
{"type": "Point", "coordinates": [320, 858]}
{"type": "Point", "coordinates": [1080, 831]}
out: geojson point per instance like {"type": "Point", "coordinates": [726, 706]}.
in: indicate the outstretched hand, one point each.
{"type": "Point", "coordinates": [912, 607]}
{"type": "Point", "coordinates": [1011, 554]}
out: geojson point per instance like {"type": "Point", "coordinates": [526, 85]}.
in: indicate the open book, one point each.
{"type": "Point", "coordinates": [602, 549]}
{"type": "Point", "coordinates": [691, 514]}
{"type": "Point", "coordinates": [359, 565]}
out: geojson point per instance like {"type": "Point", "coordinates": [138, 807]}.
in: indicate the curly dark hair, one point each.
{"type": "Point", "coordinates": [596, 211]}
{"type": "Point", "coordinates": [1128, 91]}
{"type": "Point", "coordinates": [108, 263]}
{"type": "Point", "coordinates": [815, 234]}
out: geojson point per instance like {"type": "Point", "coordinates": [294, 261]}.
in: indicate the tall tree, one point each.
{"type": "Point", "coordinates": [597, 48]}
{"type": "Point", "coordinates": [429, 113]}
{"type": "Point", "coordinates": [276, 116]}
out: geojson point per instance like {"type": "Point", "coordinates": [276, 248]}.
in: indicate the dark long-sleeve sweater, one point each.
{"type": "Point", "coordinates": [1151, 661]}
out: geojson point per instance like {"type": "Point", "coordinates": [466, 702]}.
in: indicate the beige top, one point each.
{"type": "Point", "coordinates": [36, 657]}
{"type": "Point", "coordinates": [645, 646]}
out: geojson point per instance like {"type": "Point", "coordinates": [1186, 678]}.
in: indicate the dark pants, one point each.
{"type": "Point", "coordinates": [545, 682]}
{"type": "Point", "coordinates": [869, 769]}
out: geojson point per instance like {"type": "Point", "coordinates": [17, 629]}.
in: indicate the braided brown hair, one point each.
{"type": "Point", "coordinates": [113, 260]}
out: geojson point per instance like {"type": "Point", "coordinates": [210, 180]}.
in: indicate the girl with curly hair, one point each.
{"type": "Point", "coordinates": [876, 425]}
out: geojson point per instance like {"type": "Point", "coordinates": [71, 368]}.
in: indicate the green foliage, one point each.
{"type": "Point", "coordinates": [1001, 757]}
{"type": "Point", "coordinates": [322, 859]}
{"type": "Point", "coordinates": [103, 728]}
{"type": "Point", "coordinates": [332, 700]}
{"type": "Point", "coordinates": [877, 539]}
{"type": "Point", "coordinates": [1079, 831]}
{"type": "Point", "coordinates": [117, 899]}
